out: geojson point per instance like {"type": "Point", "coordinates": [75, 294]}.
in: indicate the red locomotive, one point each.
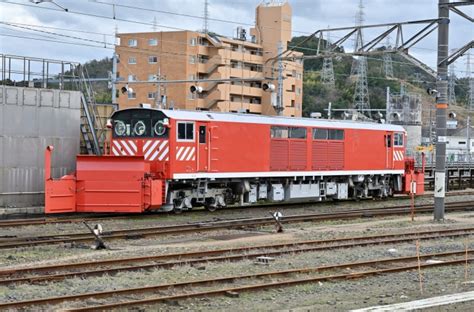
{"type": "Point", "coordinates": [175, 160]}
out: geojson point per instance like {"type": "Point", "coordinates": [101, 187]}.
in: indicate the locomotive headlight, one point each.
{"type": "Point", "coordinates": [159, 128]}
{"type": "Point", "coordinates": [120, 128]}
{"type": "Point", "coordinates": [139, 128]}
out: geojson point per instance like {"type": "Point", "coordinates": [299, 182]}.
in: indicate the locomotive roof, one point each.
{"type": "Point", "coordinates": [273, 120]}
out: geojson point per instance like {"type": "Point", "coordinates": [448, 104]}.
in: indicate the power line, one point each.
{"type": "Point", "coordinates": [59, 28]}
{"type": "Point", "coordinates": [194, 16]}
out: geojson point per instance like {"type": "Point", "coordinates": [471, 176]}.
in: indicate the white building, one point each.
{"type": "Point", "coordinates": [460, 145]}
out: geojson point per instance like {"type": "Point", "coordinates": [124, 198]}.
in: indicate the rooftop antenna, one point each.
{"type": "Point", "coordinates": [154, 26]}
{"type": "Point", "coordinates": [206, 17]}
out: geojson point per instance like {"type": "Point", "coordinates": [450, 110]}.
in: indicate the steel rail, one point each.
{"type": "Point", "coordinates": [51, 220]}
{"type": "Point", "coordinates": [226, 224]}
{"type": "Point", "coordinates": [220, 255]}
{"type": "Point", "coordinates": [282, 273]}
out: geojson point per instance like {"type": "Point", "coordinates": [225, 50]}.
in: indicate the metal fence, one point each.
{"type": "Point", "coordinates": [23, 71]}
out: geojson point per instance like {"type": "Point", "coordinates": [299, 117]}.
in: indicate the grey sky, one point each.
{"type": "Point", "coordinates": [308, 16]}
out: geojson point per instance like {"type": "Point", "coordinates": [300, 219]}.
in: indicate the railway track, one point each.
{"type": "Point", "coordinates": [13, 242]}
{"type": "Point", "coordinates": [112, 266]}
{"type": "Point", "coordinates": [218, 286]}
{"type": "Point", "coordinates": [52, 220]}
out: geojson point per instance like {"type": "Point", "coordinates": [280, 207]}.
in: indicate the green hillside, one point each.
{"type": "Point", "coordinates": [316, 96]}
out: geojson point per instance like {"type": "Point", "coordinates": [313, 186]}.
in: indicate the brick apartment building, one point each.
{"type": "Point", "coordinates": [189, 55]}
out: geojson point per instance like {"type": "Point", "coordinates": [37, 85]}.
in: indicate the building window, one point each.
{"type": "Point", "coordinates": [152, 59]}
{"type": "Point", "coordinates": [398, 139]}
{"type": "Point", "coordinates": [185, 131]}
{"type": "Point", "coordinates": [132, 60]}
{"type": "Point", "coordinates": [132, 78]}
{"type": "Point", "coordinates": [132, 95]}
{"type": "Point", "coordinates": [153, 42]}
{"type": "Point", "coordinates": [192, 77]}
{"type": "Point", "coordinates": [132, 42]}
{"type": "Point", "coordinates": [192, 42]}
{"type": "Point", "coordinates": [462, 142]}
{"type": "Point", "coordinates": [299, 76]}
{"type": "Point", "coordinates": [298, 91]}
{"type": "Point", "coordinates": [192, 59]}
{"type": "Point", "coordinates": [151, 95]}
{"type": "Point", "coordinates": [151, 77]}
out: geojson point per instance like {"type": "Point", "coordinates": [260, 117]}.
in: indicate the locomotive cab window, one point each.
{"type": "Point", "coordinates": [185, 131]}
{"type": "Point", "coordinates": [389, 141]}
{"type": "Point", "coordinates": [398, 139]}
{"type": "Point", "coordinates": [202, 134]}
{"type": "Point", "coordinates": [139, 123]}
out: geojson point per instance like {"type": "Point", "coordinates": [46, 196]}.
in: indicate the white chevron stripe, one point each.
{"type": "Point", "coordinates": [181, 148]}
{"type": "Point", "coordinates": [186, 151]}
{"type": "Point", "coordinates": [120, 148]}
{"type": "Point", "coordinates": [133, 145]}
{"type": "Point", "coordinates": [114, 151]}
{"type": "Point", "coordinates": [151, 149]}
{"type": "Point", "coordinates": [159, 150]}
{"type": "Point", "coordinates": [152, 157]}
{"type": "Point", "coordinates": [165, 153]}
{"type": "Point", "coordinates": [191, 154]}
{"type": "Point", "coordinates": [129, 150]}
{"type": "Point", "coordinates": [163, 144]}
{"type": "Point", "coordinates": [146, 145]}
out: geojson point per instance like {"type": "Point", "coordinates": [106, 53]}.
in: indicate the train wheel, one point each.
{"type": "Point", "coordinates": [178, 206]}
{"type": "Point", "coordinates": [210, 204]}
{"type": "Point", "coordinates": [210, 208]}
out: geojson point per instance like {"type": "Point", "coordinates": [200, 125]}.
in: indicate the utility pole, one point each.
{"type": "Point", "coordinates": [158, 101]}
{"type": "Point", "coordinates": [279, 107]}
{"type": "Point", "coordinates": [361, 92]}
{"type": "Point", "coordinates": [441, 109]}
{"type": "Point", "coordinates": [470, 81]}
{"type": "Point", "coordinates": [114, 78]}
{"type": "Point", "coordinates": [327, 75]}
{"type": "Point", "coordinates": [468, 135]}
{"type": "Point", "coordinates": [452, 84]}
{"type": "Point", "coordinates": [387, 60]}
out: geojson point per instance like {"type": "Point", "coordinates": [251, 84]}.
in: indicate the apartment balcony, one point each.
{"type": "Point", "coordinates": [237, 106]}
{"type": "Point", "coordinates": [210, 65]}
{"type": "Point", "coordinates": [245, 73]}
{"type": "Point", "coordinates": [246, 57]}
{"type": "Point", "coordinates": [246, 90]}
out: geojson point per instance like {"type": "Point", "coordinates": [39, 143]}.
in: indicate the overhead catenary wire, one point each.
{"type": "Point", "coordinates": [132, 21]}
{"type": "Point", "coordinates": [140, 50]}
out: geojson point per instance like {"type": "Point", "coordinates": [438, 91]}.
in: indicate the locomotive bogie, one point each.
{"type": "Point", "coordinates": [233, 192]}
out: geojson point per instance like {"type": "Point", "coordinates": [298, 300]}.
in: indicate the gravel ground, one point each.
{"type": "Point", "coordinates": [328, 296]}
{"type": "Point", "coordinates": [160, 219]}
